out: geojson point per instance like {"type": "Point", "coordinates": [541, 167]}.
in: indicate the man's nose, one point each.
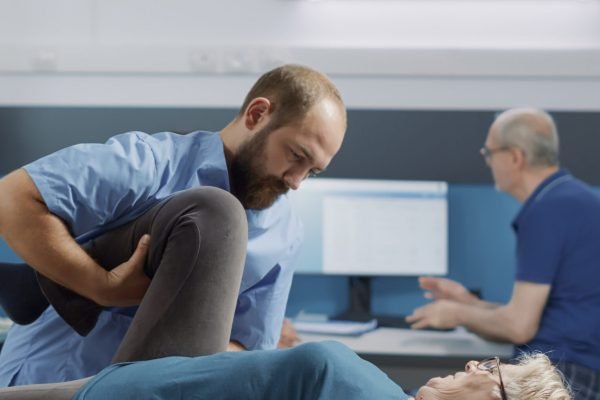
{"type": "Point", "coordinates": [293, 180]}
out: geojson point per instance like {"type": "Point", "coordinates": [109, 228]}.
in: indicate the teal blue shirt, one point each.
{"type": "Point", "coordinates": [327, 371]}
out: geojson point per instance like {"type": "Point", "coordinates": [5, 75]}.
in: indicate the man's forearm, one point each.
{"type": "Point", "coordinates": [516, 322]}
{"type": "Point", "coordinates": [50, 249]}
{"type": "Point", "coordinates": [491, 321]}
{"type": "Point", "coordinates": [43, 241]}
{"type": "Point", "coordinates": [484, 304]}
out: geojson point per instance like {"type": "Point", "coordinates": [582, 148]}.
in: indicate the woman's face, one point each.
{"type": "Point", "coordinates": [473, 384]}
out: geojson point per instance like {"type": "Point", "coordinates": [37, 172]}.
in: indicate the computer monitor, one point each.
{"type": "Point", "coordinates": [363, 228]}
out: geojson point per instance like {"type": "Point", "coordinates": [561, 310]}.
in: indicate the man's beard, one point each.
{"type": "Point", "coordinates": [249, 181]}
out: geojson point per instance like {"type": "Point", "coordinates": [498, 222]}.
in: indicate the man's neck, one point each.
{"type": "Point", "coordinates": [533, 178]}
{"type": "Point", "coordinates": [230, 144]}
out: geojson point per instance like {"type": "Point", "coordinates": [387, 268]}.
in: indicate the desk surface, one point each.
{"type": "Point", "coordinates": [402, 342]}
{"type": "Point", "coordinates": [406, 342]}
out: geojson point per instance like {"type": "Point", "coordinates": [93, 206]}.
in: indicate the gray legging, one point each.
{"type": "Point", "coordinates": [196, 258]}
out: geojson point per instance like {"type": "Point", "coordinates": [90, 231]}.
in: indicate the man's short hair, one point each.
{"type": "Point", "coordinates": [292, 90]}
{"type": "Point", "coordinates": [531, 130]}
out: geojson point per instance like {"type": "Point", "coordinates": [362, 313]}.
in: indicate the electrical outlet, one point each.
{"type": "Point", "coordinates": [240, 62]}
{"type": "Point", "coordinates": [45, 60]}
{"type": "Point", "coordinates": [204, 60]}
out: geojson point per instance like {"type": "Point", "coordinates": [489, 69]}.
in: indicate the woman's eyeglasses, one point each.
{"type": "Point", "coordinates": [489, 365]}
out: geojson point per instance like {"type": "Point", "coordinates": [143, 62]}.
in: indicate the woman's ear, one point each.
{"type": "Point", "coordinates": [496, 395]}
{"type": "Point", "coordinates": [258, 109]}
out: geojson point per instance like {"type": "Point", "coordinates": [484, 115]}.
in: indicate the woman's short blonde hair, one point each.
{"type": "Point", "coordinates": [538, 379]}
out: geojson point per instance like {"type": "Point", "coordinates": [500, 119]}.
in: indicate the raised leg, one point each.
{"type": "Point", "coordinates": [197, 268]}
{"type": "Point", "coordinates": [196, 257]}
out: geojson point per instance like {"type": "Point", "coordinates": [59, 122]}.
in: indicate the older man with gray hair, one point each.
{"type": "Point", "coordinates": [555, 304]}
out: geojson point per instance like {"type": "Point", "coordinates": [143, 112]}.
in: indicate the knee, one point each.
{"type": "Point", "coordinates": [216, 207]}
{"type": "Point", "coordinates": [323, 356]}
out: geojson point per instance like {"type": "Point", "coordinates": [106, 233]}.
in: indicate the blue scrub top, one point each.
{"type": "Point", "coordinates": [94, 188]}
{"type": "Point", "coordinates": [558, 244]}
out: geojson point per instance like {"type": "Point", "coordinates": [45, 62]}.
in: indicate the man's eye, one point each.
{"type": "Point", "coordinates": [296, 156]}
{"type": "Point", "coordinates": [312, 173]}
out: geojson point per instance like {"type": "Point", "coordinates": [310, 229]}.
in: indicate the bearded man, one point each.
{"type": "Point", "coordinates": [103, 228]}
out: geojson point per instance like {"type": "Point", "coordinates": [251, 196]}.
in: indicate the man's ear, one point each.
{"type": "Point", "coordinates": [519, 157]}
{"type": "Point", "coordinates": [256, 112]}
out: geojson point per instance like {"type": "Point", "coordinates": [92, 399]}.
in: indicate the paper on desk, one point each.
{"type": "Point", "coordinates": [335, 327]}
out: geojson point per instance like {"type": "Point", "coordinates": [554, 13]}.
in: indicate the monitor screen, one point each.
{"type": "Point", "coordinates": [363, 227]}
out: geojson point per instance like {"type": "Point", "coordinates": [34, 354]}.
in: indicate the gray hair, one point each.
{"type": "Point", "coordinates": [532, 131]}
{"type": "Point", "coordinates": [538, 379]}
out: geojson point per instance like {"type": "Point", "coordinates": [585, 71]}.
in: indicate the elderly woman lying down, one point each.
{"type": "Point", "coordinates": [174, 349]}
{"type": "Point", "coordinates": [327, 370]}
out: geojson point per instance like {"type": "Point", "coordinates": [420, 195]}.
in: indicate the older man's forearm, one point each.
{"type": "Point", "coordinates": [497, 323]}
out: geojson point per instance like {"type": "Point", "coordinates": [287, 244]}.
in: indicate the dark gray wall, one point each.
{"type": "Point", "coordinates": [403, 144]}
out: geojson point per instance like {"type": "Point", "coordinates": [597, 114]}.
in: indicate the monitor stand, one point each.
{"type": "Point", "coordinates": [359, 305]}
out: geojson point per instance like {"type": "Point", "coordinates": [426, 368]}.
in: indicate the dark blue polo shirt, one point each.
{"type": "Point", "coordinates": [558, 243]}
